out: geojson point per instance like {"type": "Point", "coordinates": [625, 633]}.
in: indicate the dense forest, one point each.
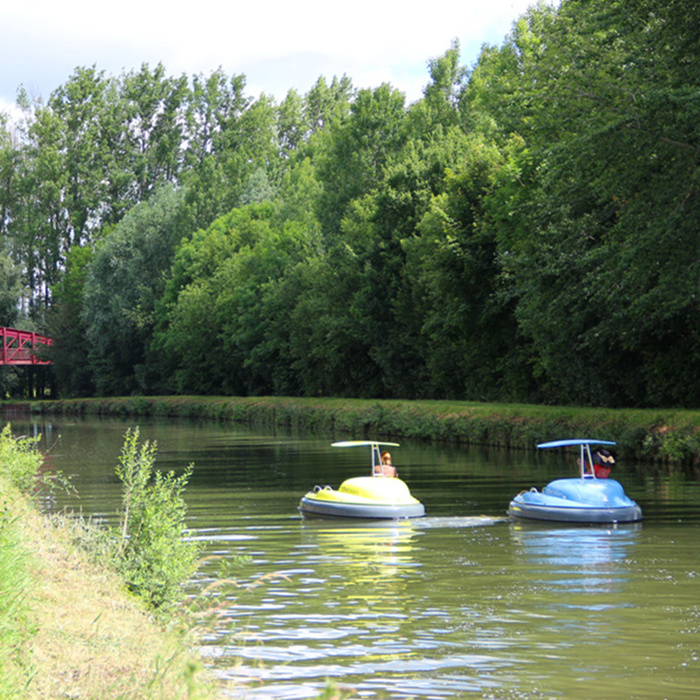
{"type": "Point", "coordinates": [529, 230]}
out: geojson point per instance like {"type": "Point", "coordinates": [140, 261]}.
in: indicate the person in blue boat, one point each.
{"type": "Point", "coordinates": [603, 462]}
{"type": "Point", "coordinates": [386, 468]}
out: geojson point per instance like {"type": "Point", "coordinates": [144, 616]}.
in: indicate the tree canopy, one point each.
{"type": "Point", "coordinates": [528, 230]}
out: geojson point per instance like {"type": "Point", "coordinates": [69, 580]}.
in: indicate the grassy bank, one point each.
{"type": "Point", "coordinates": [654, 435]}
{"type": "Point", "coordinates": [74, 631]}
{"type": "Point", "coordinates": [68, 626]}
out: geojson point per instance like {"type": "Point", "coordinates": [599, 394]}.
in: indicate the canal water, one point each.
{"type": "Point", "coordinates": [463, 603]}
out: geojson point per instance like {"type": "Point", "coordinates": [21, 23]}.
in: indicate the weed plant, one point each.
{"type": "Point", "coordinates": [20, 461]}
{"type": "Point", "coordinates": [152, 553]}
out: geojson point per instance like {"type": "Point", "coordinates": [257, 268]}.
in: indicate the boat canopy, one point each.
{"type": "Point", "coordinates": [360, 443]}
{"type": "Point", "coordinates": [373, 444]}
{"type": "Point", "coordinates": [585, 445]}
{"type": "Point", "coordinates": [575, 441]}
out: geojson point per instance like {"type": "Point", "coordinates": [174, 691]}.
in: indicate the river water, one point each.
{"type": "Point", "coordinates": [461, 604]}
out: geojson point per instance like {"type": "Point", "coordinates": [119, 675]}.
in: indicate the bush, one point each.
{"type": "Point", "coordinates": [19, 459]}
{"type": "Point", "coordinates": [153, 555]}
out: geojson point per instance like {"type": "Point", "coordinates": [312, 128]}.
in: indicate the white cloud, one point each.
{"type": "Point", "coordinates": [277, 45]}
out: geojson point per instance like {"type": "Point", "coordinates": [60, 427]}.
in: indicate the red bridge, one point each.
{"type": "Point", "coordinates": [20, 347]}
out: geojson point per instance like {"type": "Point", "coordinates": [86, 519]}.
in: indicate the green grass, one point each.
{"type": "Point", "coordinates": [670, 436]}
{"type": "Point", "coordinates": [15, 584]}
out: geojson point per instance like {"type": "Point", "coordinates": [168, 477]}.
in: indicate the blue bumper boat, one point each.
{"type": "Point", "coordinates": [591, 498]}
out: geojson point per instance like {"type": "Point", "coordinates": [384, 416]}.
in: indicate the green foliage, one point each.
{"type": "Point", "coordinates": [153, 555]}
{"type": "Point", "coordinates": [10, 290]}
{"type": "Point", "coordinates": [596, 240]}
{"type": "Point", "coordinates": [223, 328]}
{"type": "Point", "coordinates": [359, 149]}
{"type": "Point", "coordinates": [516, 234]}
{"type": "Point", "coordinates": [454, 273]}
{"type": "Point", "coordinates": [20, 460]}
{"type": "Point", "coordinates": [124, 283]}
{"type": "Point", "coordinates": [69, 353]}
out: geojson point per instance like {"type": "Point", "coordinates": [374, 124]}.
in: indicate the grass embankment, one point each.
{"type": "Point", "coordinates": [68, 626]}
{"type": "Point", "coordinates": [75, 631]}
{"type": "Point", "coordinates": [650, 435]}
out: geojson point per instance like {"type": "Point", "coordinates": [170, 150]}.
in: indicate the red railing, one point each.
{"type": "Point", "coordinates": [20, 347]}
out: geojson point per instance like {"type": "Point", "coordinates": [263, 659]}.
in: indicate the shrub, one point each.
{"type": "Point", "coordinates": [153, 555]}
{"type": "Point", "coordinates": [19, 459]}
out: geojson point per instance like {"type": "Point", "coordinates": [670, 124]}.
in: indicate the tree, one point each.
{"type": "Point", "coordinates": [67, 328]}
{"type": "Point", "coordinates": [73, 127]}
{"type": "Point", "coordinates": [326, 105]}
{"type": "Point", "coordinates": [154, 107]}
{"type": "Point", "coordinates": [125, 280]}
{"type": "Point", "coordinates": [38, 227]}
{"type": "Point", "coordinates": [226, 326]}
{"type": "Point", "coordinates": [603, 215]}
{"type": "Point", "coordinates": [10, 290]}
{"type": "Point", "coordinates": [292, 126]}
{"type": "Point", "coordinates": [467, 338]}
{"type": "Point", "coordinates": [359, 150]}
{"type": "Point", "coordinates": [443, 93]}
{"type": "Point", "coordinates": [8, 164]}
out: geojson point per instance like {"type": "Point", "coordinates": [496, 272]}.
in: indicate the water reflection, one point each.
{"type": "Point", "coordinates": [579, 560]}
{"type": "Point", "coordinates": [376, 560]}
{"type": "Point", "coordinates": [583, 546]}
{"type": "Point", "coordinates": [353, 601]}
{"type": "Point", "coordinates": [335, 613]}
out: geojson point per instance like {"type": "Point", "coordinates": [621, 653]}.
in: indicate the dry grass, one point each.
{"type": "Point", "coordinates": [92, 639]}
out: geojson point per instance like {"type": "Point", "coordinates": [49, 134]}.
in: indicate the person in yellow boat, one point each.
{"type": "Point", "coordinates": [386, 468]}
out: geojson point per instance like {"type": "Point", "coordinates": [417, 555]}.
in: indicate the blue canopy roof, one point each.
{"type": "Point", "coordinates": [575, 441]}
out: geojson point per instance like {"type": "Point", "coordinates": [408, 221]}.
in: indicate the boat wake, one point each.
{"type": "Point", "coordinates": [457, 522]}
{"type": "Point", "coordinates": [412, 524]}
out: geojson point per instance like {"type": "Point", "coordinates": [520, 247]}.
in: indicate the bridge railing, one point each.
{"type": "Point", "coordinates": [20, 347]}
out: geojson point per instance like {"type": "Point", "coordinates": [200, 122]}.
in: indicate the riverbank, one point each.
{"type": "Point", "coordinates": [73, 630]}
{"type": "Point", "coordinates": [661, 436]}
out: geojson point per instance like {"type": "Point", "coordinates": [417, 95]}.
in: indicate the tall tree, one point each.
{"type": "Point", "coordinates": [10, 290]}
{"type": "Point", "coordinates": [67, 327]}
{"type": "Point", "coordinates": [226, 326]}
{"type": "Point", "coordinates": [359, 150]}
{"type": "Point", "coordinates": [125, 280]}
{"type": "Point", "coordinates": [155, 114]}
{"type": "Point", "coordinates": [593, 246]}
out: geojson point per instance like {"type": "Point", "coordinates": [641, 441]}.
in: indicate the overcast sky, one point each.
{"type": "Point", "coordinates": [276, 44]}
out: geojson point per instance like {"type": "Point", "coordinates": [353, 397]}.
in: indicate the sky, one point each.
{"type": "Point", "coordinates": [276, 44]}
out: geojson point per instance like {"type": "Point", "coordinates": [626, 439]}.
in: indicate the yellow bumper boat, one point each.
{"type": "Point", "coordinates": [375, 497]}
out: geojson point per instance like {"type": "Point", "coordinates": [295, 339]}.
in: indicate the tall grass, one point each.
{"type": "Point", "coordinates": [14, 620]}
{"type": "Point", "coordinates": [18, 467]}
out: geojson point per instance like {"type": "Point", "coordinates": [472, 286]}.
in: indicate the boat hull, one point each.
{"type": "Point", "coordinates": [369, 498]}
{"type": "Point", "coordinates": [585, 500]}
